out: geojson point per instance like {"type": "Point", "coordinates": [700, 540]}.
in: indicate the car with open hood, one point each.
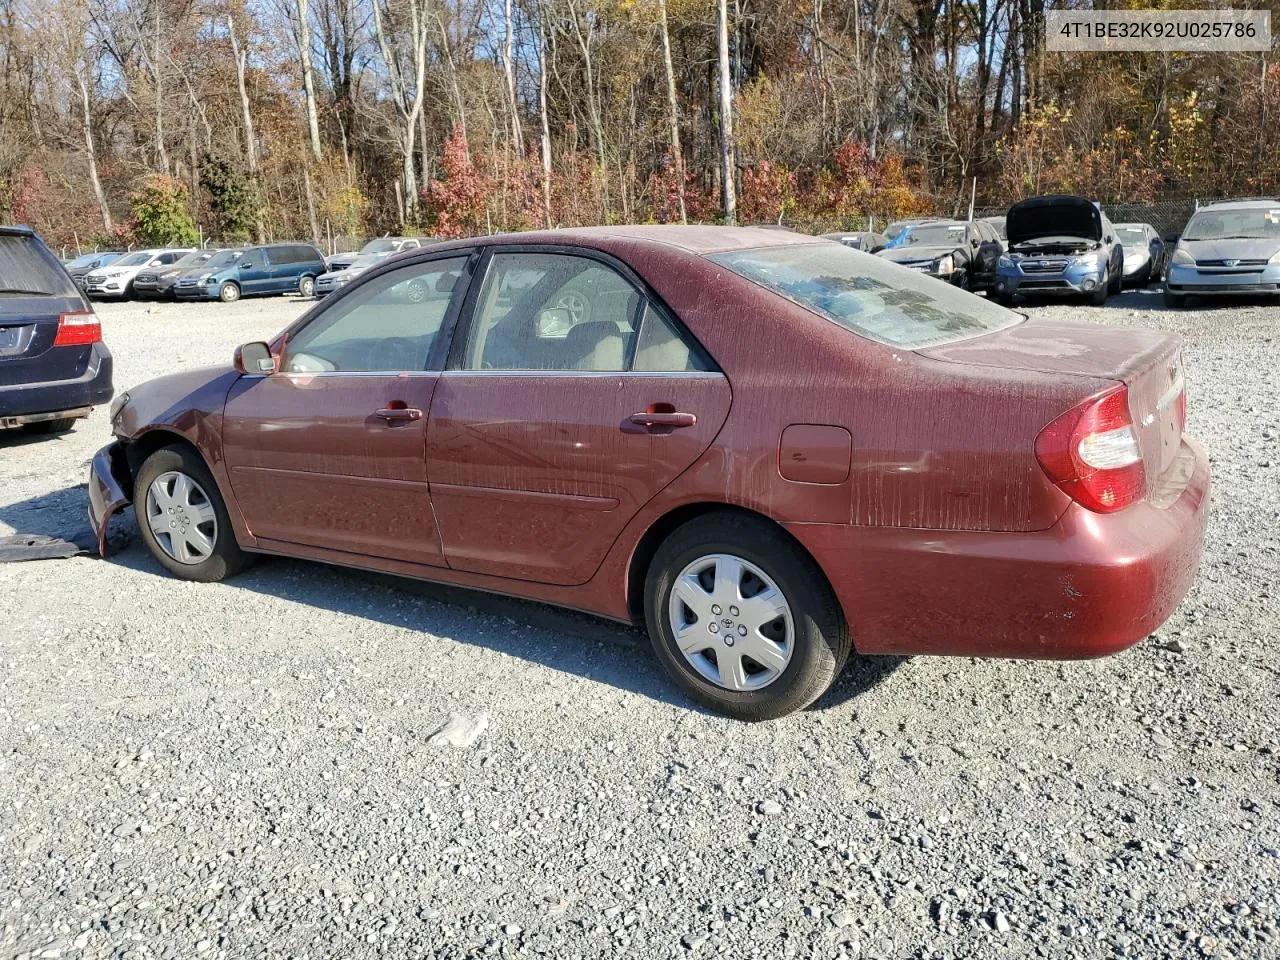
{"type": "Point", "coordinates": [961, 253]}
{"type": "Point", "coordinates": [380, 246]}
{"type": "Point", "coordinates": [1059, 245]}
{"type": "Point", "coordinates": [1229, 248]}
{"type": "Point", "coordinates": [609, 419]}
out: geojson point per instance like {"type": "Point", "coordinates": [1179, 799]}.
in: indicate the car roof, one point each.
{"type": "Point", "coordinates": [1120, 226]}
{"type": "Point", "coordinates": [695, 239]}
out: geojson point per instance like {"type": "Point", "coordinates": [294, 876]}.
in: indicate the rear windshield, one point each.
{"type": "Point", "coordinates": [26, 270]}
{"type": "Point", "coordinates": [936, 234]}
{"type": "Point", "coordinates": [1131, 234]}
{"type": "Point", "coordinates": [870, 296]}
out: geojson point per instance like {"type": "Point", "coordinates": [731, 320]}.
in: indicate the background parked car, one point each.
{"type": "Point", "coordinates": [963, 253]}
{"type": "Point", "coordinates": [334, 280]}
{"type": "Point", "coordinates": [54, 366]}
{"type": "Point", "coordinates": [896, 232]}
{"type": "Point", "coordinates": [115, 281]}
{"type": "Point", "coordinates": [386, 246]}
{"type": "Point", "coordinates": [79, 267]}
{"type": "Point", "coordinates": [1144, 253]}
{"type": "Point", "coordinates": [191, 283]}
{"type": "Point", "coordinates": [865, 240]}
{"type": "Point", "coordinates": [998, 223]}
{"type": "Point", "coordinates": [1227, 248]}
{"type": "Point", "coordinates": [1059, 245]}
{"type": "Point", "coordinates": [158, 282]}
{"type": "Point", "coordinates": [262, 271]}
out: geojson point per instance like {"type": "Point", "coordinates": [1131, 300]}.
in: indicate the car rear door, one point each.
{"type": "Point", "coordinates": [329, 452]}
{"type": "Point", "coordinates": [571, 399]}
{"type": "Point", "coordinates": [35, 291]}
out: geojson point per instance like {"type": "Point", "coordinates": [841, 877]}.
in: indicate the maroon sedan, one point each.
{"type": "Point", "coordinates": [771, 450]}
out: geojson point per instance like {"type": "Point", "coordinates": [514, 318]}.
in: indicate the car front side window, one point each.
{"type": "Point", "coordinates": [389, 323]}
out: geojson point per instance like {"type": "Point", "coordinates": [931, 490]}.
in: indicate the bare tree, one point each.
{"type": "Point", "coordinates": [673, 105]}
{"type": "Point", "coordinates": [401, 30]}
{"type": "Point", "coordinates": [728, 194]}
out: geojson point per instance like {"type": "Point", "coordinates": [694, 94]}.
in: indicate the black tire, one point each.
{"type": "Point", "coordinates": [1144, 279]}
{"type": "Point", "coordinates": [226, 558]}
{"type": "Point", "coordinates": [1117, 283]}
{"type": "Point", "coordinates": [48, 427]}
{"type": "Point", "coordinates": [1099, 296]}
{"type": "Point", "coordinates": [307, 287]}
{"type": "Point", "coordinates": [1174, 301]}
{"type": "Point", "coordinates": [964, 283]}
{"type": "Point", "coordinates": [821, 637]}
{"type": "Point", "coordinates": [1005, 300]}
{"type": "Point", "coordinates": [229, 292]}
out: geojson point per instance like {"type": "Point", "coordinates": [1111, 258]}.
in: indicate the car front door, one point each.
{"type": "Point", "coordinates": [330, 450]}
{"type": "Point", "coordinates": [571, 399]}
{"type": "Point", "coordinates": [254, 272]}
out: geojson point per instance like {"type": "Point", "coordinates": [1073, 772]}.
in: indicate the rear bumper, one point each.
{"type": "Point", "coordinates": [110, 490]}
{"type": "Point", "coordinates": [1091, 585]}
{"type": "Point", "coordinates": [61, 397]}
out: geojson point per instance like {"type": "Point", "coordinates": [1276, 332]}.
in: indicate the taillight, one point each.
{"type": "Point", "coordinates": [1091, 452]}
{"type": "Point", "coordinates": [75, 329]}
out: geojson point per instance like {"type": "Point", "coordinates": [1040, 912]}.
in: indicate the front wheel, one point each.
{"type": "Point", "coordinates": [1099, 296]}
{"type": "Point", "coordinates": [1005, 300]}
{"type": "Point", "coordinates": [1174, 300]}
{"type": "Point", "coordinates": [307, 287]}
{"type": "Point", "coordinates": [742, 618]}
{"type": "Point", "coordinates": [183, 519]}
{"type": "Point", "coordinates": [229, 292]}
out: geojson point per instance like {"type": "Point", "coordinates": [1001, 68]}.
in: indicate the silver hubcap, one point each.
{"type": "Point", "coordinates": [181, 517]}
{"type": "Point", "coordinates": [731, 622]}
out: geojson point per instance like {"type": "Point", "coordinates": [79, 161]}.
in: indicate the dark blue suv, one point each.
{"type": "Point", "coordinates": [54, 366]}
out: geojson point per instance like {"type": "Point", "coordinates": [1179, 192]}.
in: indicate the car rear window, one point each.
{"type": "Point", "coordinates": [27, 270]}
{"type": "Point", "coordinates": [868, 295]}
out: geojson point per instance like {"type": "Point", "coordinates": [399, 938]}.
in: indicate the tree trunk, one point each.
{"type": "Point", "coordinates": [673, 106]}
{"type": "Point", "coordinates": [542, 117]}
{"type": "Point", "coordinates": [509, 68]}
{"type": "Point", "coordinates": [241, 55]}
{"type": "Point", "coordinates": [728, 195]}
{"type": "Point", "coordinates": [90, 152]}
{"type": "Point", "coordinates": [308, 75]}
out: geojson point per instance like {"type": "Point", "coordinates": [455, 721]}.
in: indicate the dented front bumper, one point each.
{"type": "Point", "coordinates": [110, 490]}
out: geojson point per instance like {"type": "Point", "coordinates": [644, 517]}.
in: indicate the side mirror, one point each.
{"type": "Point", "coordinates": [254, 359]}
{"type": "Point", "coordinates": [974, 243]}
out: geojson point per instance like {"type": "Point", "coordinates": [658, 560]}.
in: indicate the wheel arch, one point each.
{"type": "Point", "coordinates": [144, 445]}
{"type": "Point", "coordinates": [647, 546]}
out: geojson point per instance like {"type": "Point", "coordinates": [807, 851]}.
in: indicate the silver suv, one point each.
{"type": "Point", "coordinates": [1227, 248]}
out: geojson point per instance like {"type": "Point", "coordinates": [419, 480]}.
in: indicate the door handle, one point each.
{"type": "Point", "coordinates": [398, 414]}
{"type": "Point", "coordinates": [664, 419]}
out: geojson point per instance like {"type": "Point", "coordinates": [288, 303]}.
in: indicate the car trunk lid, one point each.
{"type": "Point", "coordinates": [1147, 362]}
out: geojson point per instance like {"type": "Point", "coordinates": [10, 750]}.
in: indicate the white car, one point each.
{"type": "Point", "coordinates": [335, 280]}
{"type": "Point", "coordinates": [116, 279]}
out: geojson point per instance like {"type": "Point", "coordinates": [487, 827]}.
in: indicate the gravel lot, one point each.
{"type": "Point", "coordinates": [249, 769]}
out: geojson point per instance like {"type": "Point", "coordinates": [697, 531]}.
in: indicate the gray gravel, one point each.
{"type": "Point", "coordinates": [309, 762]}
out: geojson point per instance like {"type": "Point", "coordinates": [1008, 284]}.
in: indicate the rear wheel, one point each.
{"type": "Point", "coordinates": [229, 292]}
{"type": "Point", "coordinates": [742, 618]}
{"type": "Point", "coordinates": [46, 427]}
{"type": "Point", "coordinates": [183, 519]}
{"type": "Point", "coordinates": [307, 286]}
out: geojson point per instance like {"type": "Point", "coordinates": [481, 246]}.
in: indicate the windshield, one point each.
{"type": "Point", "coordinates": [135, 259]}
{"type": "Point", "coordinates": [26, 268]}
{"type": "Point", "coordinates": [194, 258]}
{"type": "Point", "coordinates": [936, 234]}
{"type": "Point", "coordinates": [366, 260]}
{"type": "Point", "coordinates": [382, 245]}
{"type": "Point", "coordinates": [870, 296]}
{"type": "Point", "coordinates": [1131, 235]}
{"type": "Point", "coordinates": [224, 259]}
{"type": "Point", "coordinates": [92, 259]}
{"type": "Point", "coordinates": [1251, 223]}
